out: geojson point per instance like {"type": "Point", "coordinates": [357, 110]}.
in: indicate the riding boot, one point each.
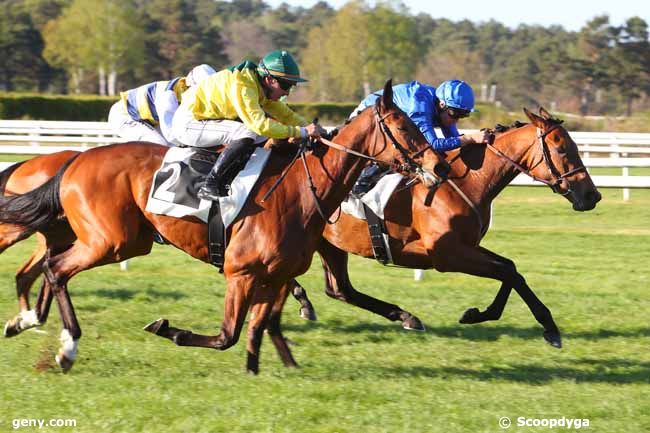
{"type": "Point", "coordinates": [229, 163]}
{"type": "Point", "coordinates": [368, 179]}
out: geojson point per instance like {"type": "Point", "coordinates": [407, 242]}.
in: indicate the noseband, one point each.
{"type": "Point", "coordinates": [556, 176]}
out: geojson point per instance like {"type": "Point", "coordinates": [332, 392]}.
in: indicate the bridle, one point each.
{"type": "Point", "coordinates": [408, 165]}
{"type": "Point", "coordinates": [556, 177]}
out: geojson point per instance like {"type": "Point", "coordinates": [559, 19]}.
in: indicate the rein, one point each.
{"type": "Point", "coordinates": [546, 158]}
{"type": "Point", "coordinates": [408, 166]}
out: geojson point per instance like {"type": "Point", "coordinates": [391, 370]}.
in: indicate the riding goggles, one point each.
{"type": "Point", "coordinates": [456, 113]}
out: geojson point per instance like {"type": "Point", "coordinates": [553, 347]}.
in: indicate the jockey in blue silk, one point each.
{"type": "Point", "coordinates": [428, 107]}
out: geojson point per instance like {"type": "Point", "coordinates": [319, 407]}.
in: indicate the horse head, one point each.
{"type": "Point", "coordinates": [559, 164]}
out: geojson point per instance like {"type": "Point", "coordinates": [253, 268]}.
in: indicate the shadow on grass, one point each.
{"type": "Point", "coordinates": [128, 294]}
{"type": "Point", "coordinates": [618, 371]}
{"type": "Point", "coordinates": [479, 332]}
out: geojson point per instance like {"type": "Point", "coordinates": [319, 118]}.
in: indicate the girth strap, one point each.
{"type": "Point", "coordinates": [378, 235]}
{"type": "Point", "coordinates": [216, 236]}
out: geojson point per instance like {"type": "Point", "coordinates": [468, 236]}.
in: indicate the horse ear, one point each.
{"type": "Point", "coordinates": [387, 97]}
{"type": "Point", "coordinates": [545, 114]}
{"type": "Point", "coordinates": [534, 118]}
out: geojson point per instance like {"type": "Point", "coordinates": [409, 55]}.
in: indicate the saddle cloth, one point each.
{"type": "Point", "coordinates": [376, 199]}
{"type": "Point", "coordinates": [176, 183]}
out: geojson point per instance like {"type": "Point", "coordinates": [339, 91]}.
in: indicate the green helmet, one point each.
{"type": "Point", "coordinates": [280, 64]}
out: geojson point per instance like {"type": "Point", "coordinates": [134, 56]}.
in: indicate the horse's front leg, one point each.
{"type": "Point", "coordinates": [495, 309]}
{"type": "Point", "coordinates": [274, 330]}
{"type": "Point", "coordinates": [338, 286]}
{"type": "Point", "coordinates": [481, 262]}
{"type": "Point", "coordinates": [236, 303]}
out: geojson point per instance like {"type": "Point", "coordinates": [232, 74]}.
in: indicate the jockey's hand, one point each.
{"type": "Point", "coordinates": [315, 130]}
{"type": "Point", "coordinates": [481, 137]}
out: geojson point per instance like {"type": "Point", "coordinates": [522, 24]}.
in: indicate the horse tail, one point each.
{"type": "Point", "coordinates": [6, 174]}
{"type": "Point", "coordinates": [36, 209]}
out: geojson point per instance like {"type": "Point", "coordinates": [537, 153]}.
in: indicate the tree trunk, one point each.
{"type": "Point", "coordinates": [112, 81]}
{"type": "Point", "coordinates": [101, 73]}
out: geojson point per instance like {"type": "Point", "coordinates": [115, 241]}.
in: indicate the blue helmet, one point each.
{"type": "Point", "coordinates": [456, 94]}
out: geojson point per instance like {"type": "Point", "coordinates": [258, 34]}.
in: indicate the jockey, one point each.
{"type": "Point", "coordinates": [238, 108]}
{"type": "Point", "coordinates": [428, 107]}
{"type": "Point", "coordinates": [145, 113]}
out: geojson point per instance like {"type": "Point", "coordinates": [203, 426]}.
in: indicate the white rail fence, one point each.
{"type": "Point", "coordinates": [614, 149]}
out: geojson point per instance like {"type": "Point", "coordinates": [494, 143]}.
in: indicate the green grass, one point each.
{"type": "Point", "coordinates": [360, 373]}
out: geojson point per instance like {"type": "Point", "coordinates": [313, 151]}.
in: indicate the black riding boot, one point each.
{"type": "Point", "coordinates": [229, 163]}
{"type": "Point", "coordinates": [368, 179]}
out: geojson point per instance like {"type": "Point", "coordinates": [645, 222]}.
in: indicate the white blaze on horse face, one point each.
{"type": "Point", "coordinates": [68, 346]}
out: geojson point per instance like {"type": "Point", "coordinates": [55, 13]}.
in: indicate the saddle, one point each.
{"type": "Point", "coordinates": [176, 184]}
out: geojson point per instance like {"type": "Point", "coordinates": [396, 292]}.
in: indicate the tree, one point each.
{"type": "Point", "coordinates": [21, 45]}
{"type": "Point", "coordinates": [95, 35]}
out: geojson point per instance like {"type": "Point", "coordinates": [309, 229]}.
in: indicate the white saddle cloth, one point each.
{"type": "Point", "coordinates": [164, 201]}
{"type": "Point", "coordinates": [376, 199]}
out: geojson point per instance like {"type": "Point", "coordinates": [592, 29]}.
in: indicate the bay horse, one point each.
{"type": "Point", "coordinates": [19, 179]}
{"type": "Point", "coordinates": [442, 229]}
{"type": "Point", "coordinates": [103, 192]}
{"type": "Point", "coordinates": [25, 176]}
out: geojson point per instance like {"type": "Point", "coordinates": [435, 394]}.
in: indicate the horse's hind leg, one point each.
{"type": "Point", "coordinates": [25, 278]}
{"type": "Point", "coordinates": [29, 272]}
{"type": "Point", "coordinates": [307, 311]}
{"type": "Point", "coordinates": [338, 286]}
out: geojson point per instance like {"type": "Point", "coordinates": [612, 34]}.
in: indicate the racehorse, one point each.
{"type": "Point", "coordinates": [442, 228]}
{"type": "Point", "coordinates": [103, 194]}
{"type": "Point", "coordinates": [19, 179]}
{"type": "Point", "coordinates": [26, 176]}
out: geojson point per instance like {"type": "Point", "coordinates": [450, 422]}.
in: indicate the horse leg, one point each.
{"type": "Point", "coordinates": [57, 279]}
{"type": "Point", "coordinates": [307, 311]}
{"type": "Point", "coordinates": [236, 304]}
{"type": "Point", "coordinates": [262, 306]}
{"type": "Point", "coordinates": [483, 263]}
{"type": "Point", "coordinates": [338, 286]}
{"type": "Point", "coordinates": [495, 309]}
{"type": "Point", "coordinates": [274, 330]}
{"type": "Point", "coordinates": [25, 278]}
{"type": "Point", "coordinates": [29, 272]}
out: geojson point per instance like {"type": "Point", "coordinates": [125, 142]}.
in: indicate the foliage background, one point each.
{"type": "Point", "coordinates": [105, 46]}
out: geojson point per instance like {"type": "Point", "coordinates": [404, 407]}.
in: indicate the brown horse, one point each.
{"type": "Point", "coordinates": [103, 194]}
{"type": "Point", "coordinates": [26, 176]}
{"type": "Point", "coordinates": [442, 228]}
{"type": "Point", "coordinates": [19, 179]}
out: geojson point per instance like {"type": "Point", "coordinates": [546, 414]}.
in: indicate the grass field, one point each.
{"type": "Point", "coordinates": [360, 373]}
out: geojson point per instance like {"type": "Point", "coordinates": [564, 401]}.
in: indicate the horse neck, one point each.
{"type": "Point", "coordinates": [485, 184]}
{"type": "Point", "coordinates": [335, 172]}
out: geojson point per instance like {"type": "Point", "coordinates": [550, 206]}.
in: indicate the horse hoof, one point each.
{"type": "Point", "coordinates": [11, 328]}
{"type": "Point", "coordinates": [471, 315]}
{"type": "Point", "coordinates": [308, 314]}
{"type": "Point", "coordinates": [63, 362]}
{"type": "Point", "coordinates": [553, 338]}
{"type": "Point", "coordinates": [157, 326]}
{"type": "Point", "coordinates": [412, 323]}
